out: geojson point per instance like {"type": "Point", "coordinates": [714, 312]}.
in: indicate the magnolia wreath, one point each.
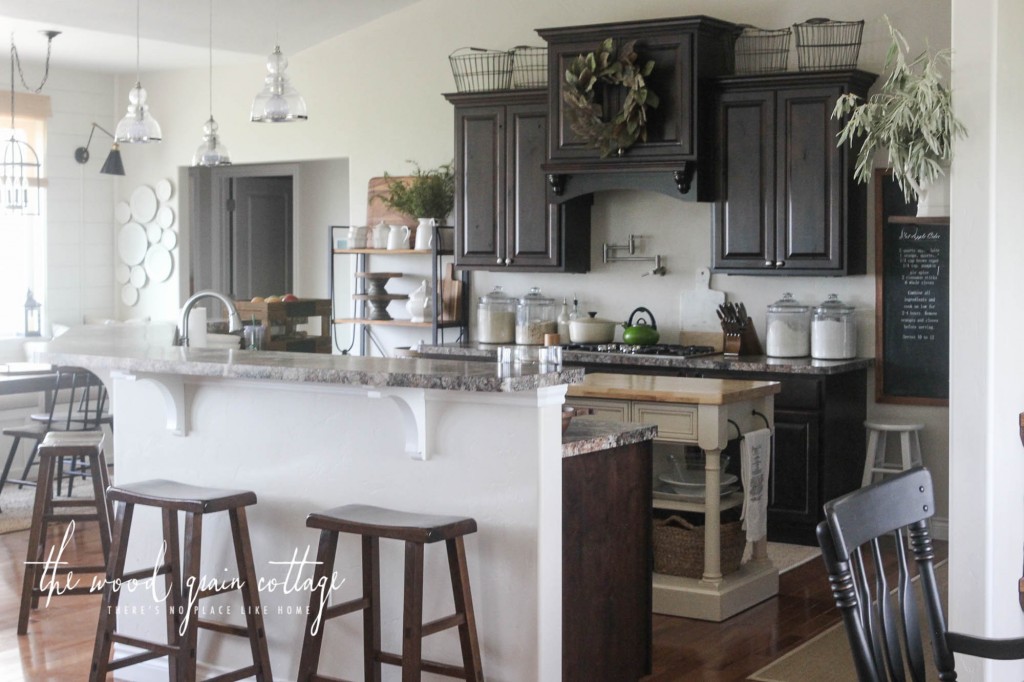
{"type": "Point", "coordinates": [602, 69]}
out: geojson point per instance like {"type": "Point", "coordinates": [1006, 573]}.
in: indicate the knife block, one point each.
{"type": "Point", "coordinates": [744, 343]}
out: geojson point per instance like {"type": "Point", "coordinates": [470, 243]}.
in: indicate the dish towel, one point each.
{"type": "Point", "coordinates": [755, 457]}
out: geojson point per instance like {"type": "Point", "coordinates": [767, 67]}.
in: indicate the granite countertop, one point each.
{"type": "Point", "coordinates": [148, 349]}
{"type": "Point", "coordinates": [592, 434]}
{"type": "Point", "coordinates": [718, 362]}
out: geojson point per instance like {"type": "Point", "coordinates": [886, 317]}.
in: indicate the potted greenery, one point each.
{"type": "Point", "coordinates": [430, 193]}
{"type": "Point", "coordinates": [911, 117]}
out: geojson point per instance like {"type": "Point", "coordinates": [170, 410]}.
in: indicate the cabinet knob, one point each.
{"type": "Point", "coordinates": [780, 263]}
{"type": "Point", "coordinates": [508, 261]}
{"type": "Point", "coordinates": [500, 261]}
{"type": "Point", "coordinates": [769, 263]}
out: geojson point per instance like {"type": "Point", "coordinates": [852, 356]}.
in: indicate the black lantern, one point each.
{"type": "Point", "coordinates": [33, 316]}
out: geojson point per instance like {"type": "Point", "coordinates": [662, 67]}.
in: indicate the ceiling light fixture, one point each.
{"type": "Point", "coordinates": [211, 152]}
{"type": "Point", "coordinates": [113, 165]}
{"type": "Point", "coordinates": [138, 125]}
{"type": "Point", "coordinates": [19, 172]}
{"type": "Point", "coordinates": [278, 101]}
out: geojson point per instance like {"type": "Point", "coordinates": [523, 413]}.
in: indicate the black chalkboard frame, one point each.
{"type": "Point", "coordinates": [891, 211]}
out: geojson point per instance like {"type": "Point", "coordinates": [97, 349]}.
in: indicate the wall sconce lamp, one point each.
{"type": "Point", "coordinates": [113, 165]}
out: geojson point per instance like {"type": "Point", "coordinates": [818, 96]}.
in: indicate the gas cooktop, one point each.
{"type": "Point", "coordinates": [670, 349]}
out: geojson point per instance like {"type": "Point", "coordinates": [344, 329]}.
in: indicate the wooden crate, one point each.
{"type": "Point", "coordinates": [281, 320]}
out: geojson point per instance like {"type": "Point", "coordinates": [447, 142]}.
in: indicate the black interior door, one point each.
{"type": "Point", "coordinates": [260, 210]}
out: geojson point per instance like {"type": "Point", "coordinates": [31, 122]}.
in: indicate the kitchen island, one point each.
{"type": "Point", "coordinates": [707, 413]}
{"type": "Point", "coordinates": [819, 420]}
{"type": "Point", "coordinates": [308, 432]}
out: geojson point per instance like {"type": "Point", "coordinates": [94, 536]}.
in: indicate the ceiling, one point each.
{"type": "Point", "coordinates": [99, 35]}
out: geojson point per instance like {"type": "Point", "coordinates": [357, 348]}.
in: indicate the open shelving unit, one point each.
{"type": "Point", "coordinates": [437, 325]}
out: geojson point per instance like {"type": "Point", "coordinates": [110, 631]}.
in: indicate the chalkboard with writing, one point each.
{"type": "Point", "coordinates": [912, 359]}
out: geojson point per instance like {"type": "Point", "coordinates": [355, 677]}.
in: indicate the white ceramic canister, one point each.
{"type": "Point", "coordinates": [789, 329]}
{"type": "Point", "coordinates": [833, 330]}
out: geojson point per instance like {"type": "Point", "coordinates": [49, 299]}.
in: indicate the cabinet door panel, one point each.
{"type": "Point", "coordinates": [480, 156]}
{"type": "Point", "coordinates": [793, 478]}
{"type": "Point", "coordinates": [809, 180]}
{"type": "Point", "coordinates": [532, 235]}
{"type": "Point", "coordinates": [744, 223]}
{"type": "Point", "coordinates": [676, 423]}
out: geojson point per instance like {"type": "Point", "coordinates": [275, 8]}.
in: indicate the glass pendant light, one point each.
{"type": "Point", "coordinates": [19, 168]}
{"type": "Point", "coordinates": [211, 152]}
{"type": "Point", "coordinates": [278, 102]}
{"type": "Point", "coordinates": [138, 125]}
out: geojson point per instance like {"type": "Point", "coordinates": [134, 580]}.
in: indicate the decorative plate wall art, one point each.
{"type": "Point", "coordinates": [146, 239]}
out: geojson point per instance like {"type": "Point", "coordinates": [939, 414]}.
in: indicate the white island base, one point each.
{"type": "Point", "coordinates": [304, 447]}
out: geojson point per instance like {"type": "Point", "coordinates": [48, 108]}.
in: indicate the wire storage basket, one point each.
{"type": "Point", "coordinates": [761, 50]}
{"type": "Point", "coordinates": [826, 45]}
{"type": "Point", "coordinates": [529, 67]}
{"type": "Point", "coordinates": [479, 70]}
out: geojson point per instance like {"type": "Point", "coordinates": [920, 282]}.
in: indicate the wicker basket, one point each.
{"type": "Point", "coordinates": [479, 70]}
{"type": "Point", "coordinates": [826, 45]}
{"type": "Point", "coordinates": [760, 50]}
{"type": "Point", "coordinates": [679, 547]}
{"type": "Point", "coordinates": [529, 67]}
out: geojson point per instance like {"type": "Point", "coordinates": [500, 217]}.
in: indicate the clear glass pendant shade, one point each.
{"type": "Point", "coordinates": [138, 125]}
{"type": "Point", "coordinates": [278, 102]}
{"type": "Point", "coordinates": [212, 151]}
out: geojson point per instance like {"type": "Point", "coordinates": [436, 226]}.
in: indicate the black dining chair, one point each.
{"type": "Point", "coordinates": [77, 382]}
{"type": "Point", "coordinates": [882, 621]}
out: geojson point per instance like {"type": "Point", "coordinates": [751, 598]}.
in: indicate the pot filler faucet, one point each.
{"type": "Point", "coordinates": [234, 321]}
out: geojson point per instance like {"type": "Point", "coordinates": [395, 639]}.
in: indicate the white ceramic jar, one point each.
{"type": "Point", "coordinates": [833, 330]}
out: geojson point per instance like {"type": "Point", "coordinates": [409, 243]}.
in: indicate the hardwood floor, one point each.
{"type": "Point", "coordinates": [58, 647]}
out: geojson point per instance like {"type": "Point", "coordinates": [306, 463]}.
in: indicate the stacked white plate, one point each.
{"type": "Point", "coordinates": [689, 484]}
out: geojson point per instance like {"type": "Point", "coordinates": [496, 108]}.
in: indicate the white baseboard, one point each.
{"type": "Point", "coordinates": [940, 528]}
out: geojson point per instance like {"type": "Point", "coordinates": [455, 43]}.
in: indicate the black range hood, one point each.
{"type": "Point", "coordinates": [678, 157]}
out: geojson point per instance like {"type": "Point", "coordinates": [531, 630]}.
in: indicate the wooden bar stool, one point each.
{"type": "Point", "coordinates": [55, 447]}
{"type": "Point", "coordinates": [910, 449]}
{"type": "Point", "coordinates": [416, 530]}
{"type": "Point", "coordinates": [194, 501]}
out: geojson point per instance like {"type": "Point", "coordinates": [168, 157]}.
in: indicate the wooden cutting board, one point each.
{"type": "Point", "coordinates": [698, 313]}
{"type": "Point", "coordinates": [451, 294]}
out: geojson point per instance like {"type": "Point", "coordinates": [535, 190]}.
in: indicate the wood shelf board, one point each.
{"type": "Point", "coordinates": [396, 323]}
{"type": "Point", "coordinates": [916, 220]}
{"type": "Point", "coordinates": [380, 297]}
{"type": "Point", "coordinates": [379, 275]}
{"type": "Point", "coordinates": [392, 252]}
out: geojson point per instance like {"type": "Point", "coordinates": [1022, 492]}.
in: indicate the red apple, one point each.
{"type": "Point", "coordinates": [288, 298]}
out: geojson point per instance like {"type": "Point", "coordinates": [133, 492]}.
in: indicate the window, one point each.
{"type": "Point", "coordinates": [22, 237]}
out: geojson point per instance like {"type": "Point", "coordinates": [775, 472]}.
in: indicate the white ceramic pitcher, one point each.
{"type": "Point", "coordinates": [425, 234]}
{"type": "Point", "coordinates": [398, 237]}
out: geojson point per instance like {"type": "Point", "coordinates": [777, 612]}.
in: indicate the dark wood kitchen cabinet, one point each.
{"type": "Point", "coordinates": [676, 158]}
{"type": "Point", "coordinates": [502, 216]}
{"type": "Point", "coordinates": [790, 204]}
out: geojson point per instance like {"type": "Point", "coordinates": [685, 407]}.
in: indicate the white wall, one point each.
{"type": "Point", "coordinates": [80, 201]}
{"type": "Point", "coordinates": [986, 467]}
{"type": "Point", "coordinates": [374, 97]}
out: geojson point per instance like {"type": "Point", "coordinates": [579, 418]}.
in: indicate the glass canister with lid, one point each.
{"type": "Point", "coordinates": [535, 317]}
{"type": "Point", "coordinates": [833, 330]}
{"type": "Point", "coordinates": [789, 329]}
{"type": "Point", "coordinates": [496, 317]}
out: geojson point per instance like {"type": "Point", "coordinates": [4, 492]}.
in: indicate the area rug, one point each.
{"type": "Point", "coordinates": [786, 557]}
{"type": "Point", "coordinates": [828, 657]}
{"type": "Point", "coordinates": [16, 505]}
